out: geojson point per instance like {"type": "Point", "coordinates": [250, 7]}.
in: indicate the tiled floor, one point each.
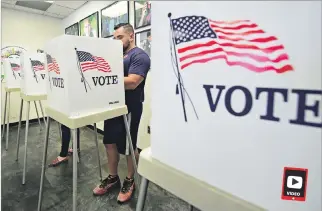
{"type": "Point", "coordinates": [58, 181]}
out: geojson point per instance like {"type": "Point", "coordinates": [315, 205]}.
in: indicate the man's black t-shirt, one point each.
{"type": "Point", "coordinates": [136, 61]}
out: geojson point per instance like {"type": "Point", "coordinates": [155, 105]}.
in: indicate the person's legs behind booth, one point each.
{"type": "Point", "coordinates": [65, 152]}
{"type": "Point", "coordinates": [115, 144]}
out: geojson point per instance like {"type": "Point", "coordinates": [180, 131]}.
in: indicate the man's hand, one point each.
{"type": "Point", "coordinates": [132, 81]}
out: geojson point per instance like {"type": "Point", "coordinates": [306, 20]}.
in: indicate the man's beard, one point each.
{"type": "Point", "coordinates": [126, 47]}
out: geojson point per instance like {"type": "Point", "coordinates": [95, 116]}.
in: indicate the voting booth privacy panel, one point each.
{"type": "Point", "coordinates": [33, 74]}
{"type": "Point", "coordinates": [85, 75]}
{"type": "Point", "coordinates": [242, 98]}
{"type": "Point", "coordinates": [12, 69]}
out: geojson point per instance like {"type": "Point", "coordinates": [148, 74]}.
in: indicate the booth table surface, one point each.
{"type": "Point", "coordinates": [190, 189]}
{"type": "Point", "coordinates": [32, 97]}
{"type": "Point", "coordinates": [12, 89]}
{"type": "Point", "coordinates": [83, 120]}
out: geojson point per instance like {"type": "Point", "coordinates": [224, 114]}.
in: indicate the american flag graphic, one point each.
{"type": "Point", "coordinates": [37, 65]}
{"type": "Point", "coordinates": [240, 43]}
{"type": "Point", "coordinates": [52, 64]}
{"type": "Point", "coordinates": [15, 67]}
{"type": "Point", "coordinates": [90, 62]}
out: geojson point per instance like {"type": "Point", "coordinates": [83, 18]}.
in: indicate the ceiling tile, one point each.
{"type": "Point", "coordinates": [70, 4]}
{"type": "Point", "coordinates": [56, 9]}
{"type": "Point", "coordinates": [52, 15]}
{"type": "Point", "coordinates": [26, 9]}
{"type": "Point", "coordinates": [8, 1]}
{"type": "Point", "coordinates": [5, 5]}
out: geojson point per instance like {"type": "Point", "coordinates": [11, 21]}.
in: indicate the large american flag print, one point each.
{"type": "Point", "coordinates": [37, 65]}
{"type": "Point", "coordinates": [52, 64]}
{"type": "Point", "coordinates": [15, 67]}
{"type": "Point", "coordinates": [90, 62]}
{"type": "Point", "coordinates": [239, 43]}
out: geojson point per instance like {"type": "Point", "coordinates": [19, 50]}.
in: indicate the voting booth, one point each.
{"type": "Point", "coordinates": [33, 74]}
{"type": "Point", "coordinates": [80, 71]}
{"type": "Point", "coordinates": [85, 86]}
{"type": "Point", "coordinates": [239, 117]}
{"type": "Point", "coordinates": [32, 89]}
{"type": "Point", "coordinates": [12, 69]}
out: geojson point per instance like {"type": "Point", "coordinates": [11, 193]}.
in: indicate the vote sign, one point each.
{"type": "Point", "coordinates": [237, 90]}
{"type": "Point", "coordinates": [33, 74]}
{"type": "Point", "coordinates": [85, 74]}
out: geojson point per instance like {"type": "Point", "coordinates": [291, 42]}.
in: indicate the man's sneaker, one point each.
{"type": "Point", "coordinates": [126, 190]}
{"type": "Point", "coordinates": [107, 184]}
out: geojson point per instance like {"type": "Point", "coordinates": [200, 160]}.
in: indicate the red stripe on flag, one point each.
{"type": "Point", "coordinates": [242, 64]}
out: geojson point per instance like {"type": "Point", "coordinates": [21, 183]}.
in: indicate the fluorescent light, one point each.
{"type": "Point", "coordinates": [50, 1]}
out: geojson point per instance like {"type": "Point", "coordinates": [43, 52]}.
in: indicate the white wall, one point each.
{"type": "Point", "coordinates": [88, 9]}
{"type": "Point", "coordinates": [30, 31]}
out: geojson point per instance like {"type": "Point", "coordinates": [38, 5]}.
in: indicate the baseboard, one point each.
{"type": "Point", "coordinates": [98, 130]}
{"type": "Point", "coordinates": [31, 121]}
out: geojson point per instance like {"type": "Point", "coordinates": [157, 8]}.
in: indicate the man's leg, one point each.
{"type": "Point", "coordinates": [113, 158]}
{"type": "Point", "coordinates": [112, 131]}
{"type": "Point", "coordinates": [130, 166]}
{"type": "Point", "coordinates": [128, 184]}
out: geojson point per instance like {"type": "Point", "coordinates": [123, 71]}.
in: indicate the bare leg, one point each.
{"type": "Point", "coordinates": [113, 158]}
{"type": "Point", "coordinates": [130, 166]}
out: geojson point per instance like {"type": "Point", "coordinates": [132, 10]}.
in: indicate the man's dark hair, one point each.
{"type": "Point", "coordinates": [148, 33]}
{"type": "Point", "coordinates": [127, 27]}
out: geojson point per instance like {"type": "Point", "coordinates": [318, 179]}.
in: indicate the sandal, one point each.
{"type": "Point", "coordinates": [57, 162]}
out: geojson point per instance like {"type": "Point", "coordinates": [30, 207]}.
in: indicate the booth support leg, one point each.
{"type": "Point", "coordinates": [26, 144]}
{"type": "Point", "coordinates": [98, 152]}
{"type": "Point", "coordinates": [129, 140]}
{"type": "Point", "coordinates": [38, 115]}
{"type": "Point", "coordinates": [19, 127]}
{"type": "Point", "coordinates": [42, 112]}
{"type": "Point", "coordinates": [8, 117]}
{"type": "Point", "coordinates": [44, 158]}
{"type": "Point", "coordinates": [4, 115]}
{"type": "Point", "coordinates": [142, 194]}
{"type": "Point", "coordinates": [75, 169]}
{"type": "Point", "coordinates": [60, 133]}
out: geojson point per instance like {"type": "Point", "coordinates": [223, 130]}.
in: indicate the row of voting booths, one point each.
{"type": "Point", "coordinates": [216, 141]}
{"type": "Point", "coordinates": [71, 75]}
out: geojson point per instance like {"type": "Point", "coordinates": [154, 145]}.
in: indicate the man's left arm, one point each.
{"type": "Point", "coordinates": [138, 70]}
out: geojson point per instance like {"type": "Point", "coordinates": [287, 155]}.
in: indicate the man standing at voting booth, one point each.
{"type": "Point", "coordinates": [136, 66]}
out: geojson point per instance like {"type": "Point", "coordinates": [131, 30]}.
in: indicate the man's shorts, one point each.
{"type": "Point", "coordinates": [114, 129]}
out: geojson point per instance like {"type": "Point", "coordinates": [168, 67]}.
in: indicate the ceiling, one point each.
{"type": "Point", "coordinates": [56, 9]}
